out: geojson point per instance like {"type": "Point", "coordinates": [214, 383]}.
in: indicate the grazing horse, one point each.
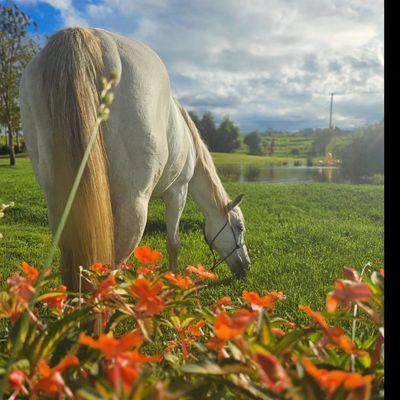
{"type": "Point", "coordinates": [148, 148]}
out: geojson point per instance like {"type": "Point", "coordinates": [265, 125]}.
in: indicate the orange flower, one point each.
{"type": "Point", "coordinates": [278, 331]}
{"type": "Point", "coordinates": [147, 270]}
{"type": "Point", "coordinates": [142, 358]}
{"type": "Point", "coordinates": [16, 379]}
{"type": "Point", "coordinates": [201, 272]}
{"type": "Point", "coordinates": [256, 301]}
{"type": "Point", "coordinates": [145, 255]}
{"type": "Point", "coordinates": [347, 293]}
{"type": "Point", "coordinates": [147, 295]}
{"type": "Point", "coordinates": [56, 301]}
{"type": "Point", "coordinates": [272, 372]}
{"type": "Point", "coordinates": [334, 335]}
{"type": "Point", "coordinates": [21, 287]}
{"type": "Point", "coordinates": [331, 380]}
{"type": "Point", "coordinates": [223, 301]}
{"type": "Point", "coordinates": [195, 329]}
{"type": "Point", "coordinates": [316, 316]}
{"type": "Point", "coordinates": [52, 381]}
{"type": "Point", "coordinates": [351, 274]}
{"type": "Point", "coordinates": [218, 345]}
{"type": "Point", "coordinates": [110, 346]}
{"type": "Point", "coordinates": [105, 288]}
{"type": "Point", "coordinates": [100, 267]}
{"type": "Point", "coordinates": [276, 295]}
{"type": "Point", "coordinates": [31, 273]}
{"type": "Point", "coordinates": [183, 282]}
{"type": "Point", "coordinates": [382, 272]}
{"type": "Point", "coordinates": [228, 328]}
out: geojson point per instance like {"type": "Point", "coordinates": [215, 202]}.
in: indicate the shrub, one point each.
{"type": "Point", "coordinates": [295, 152]}
{"type": "Point", "coordinates": [297, 163]}
{"type": "Point", "coordinates": [159, 341]}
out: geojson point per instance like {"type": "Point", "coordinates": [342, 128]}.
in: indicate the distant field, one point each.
{"type": "Point", "coordinates": [243, 158]}
{"type": "Point", "coordinates": [299, 236]}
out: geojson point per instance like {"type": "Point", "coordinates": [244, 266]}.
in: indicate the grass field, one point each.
{"type": "Point", "coordinates": [246, 159]}
{"type": "Point", "coordinates": [299, 236]}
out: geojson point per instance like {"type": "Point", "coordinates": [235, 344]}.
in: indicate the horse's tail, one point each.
{"type": "Point", "coordinates": [72, 67]}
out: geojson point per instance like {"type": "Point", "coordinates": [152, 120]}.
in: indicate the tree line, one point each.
{"type": "Point", "coordinates": [17, 48]}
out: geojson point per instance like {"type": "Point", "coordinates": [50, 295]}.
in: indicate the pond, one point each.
{"type": "Point", "coordinates": [281, 174]}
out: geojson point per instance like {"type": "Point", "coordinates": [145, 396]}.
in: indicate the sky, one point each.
{"type": "Point", "coordinates": [269, 64]}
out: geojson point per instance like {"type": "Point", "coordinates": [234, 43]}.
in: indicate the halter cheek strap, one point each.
{"type": "Point", "coordinates": [237, 245]}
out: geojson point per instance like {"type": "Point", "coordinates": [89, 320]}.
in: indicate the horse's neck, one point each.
{"type": "Point", "coordinates": [202, 192]}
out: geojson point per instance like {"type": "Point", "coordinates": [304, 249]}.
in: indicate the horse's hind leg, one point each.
{"type": "Point", "coordinates": [175, 199]}
{"type": "Point", "coordinates": [130, 216]}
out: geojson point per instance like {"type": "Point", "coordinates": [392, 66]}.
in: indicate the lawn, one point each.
{"type": "Point", "coordinates": [299, 236]}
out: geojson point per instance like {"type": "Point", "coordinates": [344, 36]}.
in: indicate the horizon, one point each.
{"type": "Point", "coordinates": [267, 65]}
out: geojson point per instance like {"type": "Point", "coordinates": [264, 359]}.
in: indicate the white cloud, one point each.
{"type": "Point", "coordinates": [259, 60]}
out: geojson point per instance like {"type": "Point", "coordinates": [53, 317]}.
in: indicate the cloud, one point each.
{"type": "Point", "coordinates": [265, 62]}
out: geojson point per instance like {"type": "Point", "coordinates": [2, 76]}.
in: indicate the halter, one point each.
{"type": "Point", "coordinates": [237, 245]}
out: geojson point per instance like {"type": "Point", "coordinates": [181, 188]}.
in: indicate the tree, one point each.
{"type": "Point", "coordinates": [16, 50]}
{"type": "Point", "coordinates": [227, 138]}
{"type": "Point", "coordinates": [271, 147]}
{"type": "Point", "coordinates": [208, 129]}
{"type": "Point", "coordinates": [254, 142]}
{"type": "Point", "coordinates": [195, 118]}
{"type": "Point", "coordinates": [364, 155]}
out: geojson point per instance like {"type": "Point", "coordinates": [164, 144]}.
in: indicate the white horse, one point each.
{"type": "Point", "coordinates": [148, 148]}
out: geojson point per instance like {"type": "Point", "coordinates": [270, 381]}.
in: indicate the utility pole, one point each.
{"type": "Point", "coordinates": [330, 115]}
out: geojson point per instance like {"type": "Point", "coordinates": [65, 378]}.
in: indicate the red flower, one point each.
{"type": "Point", "coordinates": [346, 293]}
{"type": "Point", "coordinates": [272, 372]}
{"type": "Point", "coordinates": [145, 255]}
{"type": "Point", "coordinates": [56, 301]}
{"type": "Point", "coordinates": [16, 379]}
{"type": "Point", "coordinates": [351, 274]}
{"type": "Point", "coordinates": [201, 272]}
{"type": "Point", "coordinates": [147, 295]}
{"type": "Point", "coordinates": [183, 282]}
{"type": "Point", "coordinates": [228, 328]}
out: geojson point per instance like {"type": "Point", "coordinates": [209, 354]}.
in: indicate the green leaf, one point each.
{"type": "Point", "coordinates": [292, 338]}
{"type": "Point", "coordinates": [211, 368]}
{"type": "Point", "coordinates": [58, 331]}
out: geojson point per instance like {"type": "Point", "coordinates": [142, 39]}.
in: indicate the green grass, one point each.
{"type": "Point", "coordinates": [246, 159]}
{"type": "Point", "coordinates": [299, 236]}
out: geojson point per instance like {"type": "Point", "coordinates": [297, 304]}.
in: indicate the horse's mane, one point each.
{"type": "Point", "coordinates": [205, 162]}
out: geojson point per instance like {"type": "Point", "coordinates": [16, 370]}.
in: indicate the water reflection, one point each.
{"type": "Point", "coordinates": [281, 174]}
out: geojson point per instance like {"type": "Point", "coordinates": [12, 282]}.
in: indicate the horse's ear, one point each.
{"type": "Point", "coordinates": [232, 204]}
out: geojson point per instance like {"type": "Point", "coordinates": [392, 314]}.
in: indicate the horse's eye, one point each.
{"type": "Point", "coordinates": [240, 227]}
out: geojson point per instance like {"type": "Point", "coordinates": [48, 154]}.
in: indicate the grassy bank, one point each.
{"type": "Point", "coordinates": [246, 159]}
{"type": "Point", "coordinates": [299, 236]}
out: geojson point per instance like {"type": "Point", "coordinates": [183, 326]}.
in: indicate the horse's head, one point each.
{"type": "Point", "coordinates": [226, 236]}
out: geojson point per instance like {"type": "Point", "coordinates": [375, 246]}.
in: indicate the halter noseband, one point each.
{"type": "Point", "coordinates": [237, 245]}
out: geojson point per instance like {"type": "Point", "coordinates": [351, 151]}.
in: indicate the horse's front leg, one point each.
{"type": "Point", "coordinates": [175, 199]}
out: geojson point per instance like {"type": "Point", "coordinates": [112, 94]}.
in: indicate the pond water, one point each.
{"type": "Point", "coordinates": [281, 174]}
